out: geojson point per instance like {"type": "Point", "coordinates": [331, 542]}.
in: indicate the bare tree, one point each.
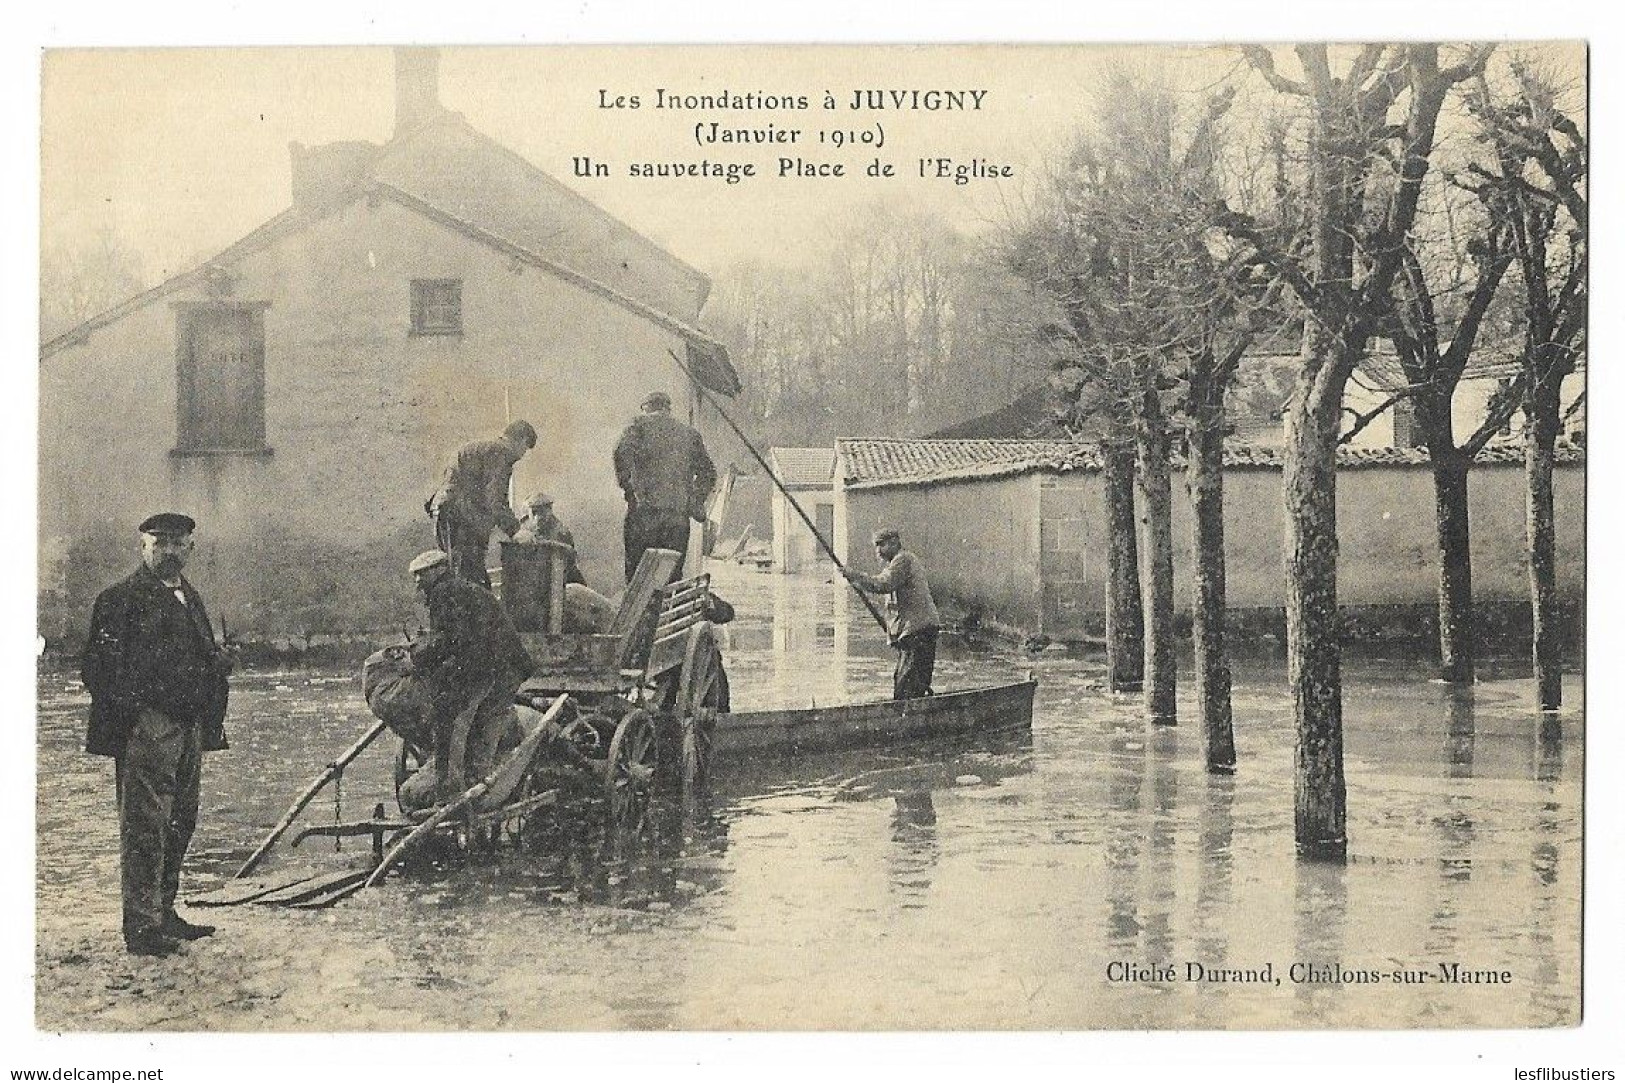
{"type": "Point", "coordinates": [1542, 163]}
{"type": "Point", "coordinates": [79, 281]}
{"type": "Point", "coordinates": [1368, 133]}
{"type": "Point", "coordinates": [1434, 348]}
{"type": "Point", "coordinates": [895, 323]}
{"type": "Point", "coordinates": [1148, 296]}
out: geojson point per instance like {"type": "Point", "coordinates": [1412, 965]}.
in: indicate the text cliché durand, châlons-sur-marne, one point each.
{"type": "Point", "coordinates": [1120, 972]}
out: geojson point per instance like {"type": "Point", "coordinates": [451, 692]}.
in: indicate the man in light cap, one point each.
{"type": "Point", "coordinates": [473, 499]}
{"type": "Point", "coordinates": [911, 614]}
{"type": "Point", "coordinates": [666, 475]}
{"type": "Point", "coordinates": [157, 683]}
{"type": "Point", "coordinates": [472, 657]}
{"type": "Point", "coordinates": [540, 524]}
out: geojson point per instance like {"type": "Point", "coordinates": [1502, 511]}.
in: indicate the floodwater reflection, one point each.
{"type": "Point", "coordinates": [980, 884]}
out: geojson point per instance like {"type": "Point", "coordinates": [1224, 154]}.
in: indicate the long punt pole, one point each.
{"type": "Point", "coordinates": [705, 393]}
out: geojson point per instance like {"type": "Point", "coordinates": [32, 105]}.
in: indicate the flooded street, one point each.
{"type": "Point", "coordinates": [1048, 883]}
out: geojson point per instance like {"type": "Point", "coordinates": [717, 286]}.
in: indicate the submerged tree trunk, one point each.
{"type": "Point", "coordinates": [1124, 631]}
{"type": "Point", "coordinates": [1313, 630]}
{"type": "Point", "coordinates": [1205, 480]}
{"type": "Point", "coordinates": [1456, 625]}
{"type": "Point", "coordinates": [1157, 562]}
{"type": "Point", "coordinates": [1540, 441]}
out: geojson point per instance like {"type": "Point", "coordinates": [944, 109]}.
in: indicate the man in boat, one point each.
{"type": "Point", "coordinates": [473, 661]}
{"type": "Point", "coordinates": [473, 499]}
{"type": "Point", "coordinates": [157, 682]}
{"type": "Point", "coordinates": [666, 476]}
{"type": "Point", "coordinates": [911, 615]}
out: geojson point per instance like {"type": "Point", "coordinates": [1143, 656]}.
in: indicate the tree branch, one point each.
{"type": "Point", "coordinates": [1362, 420]}
{"type": "Point", "coordinates": [1503, 404]}
{"type": "Point", "coordinates": [1263, 62]}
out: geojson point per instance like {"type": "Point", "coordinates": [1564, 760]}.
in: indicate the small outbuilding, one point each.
{"type": "Point", "coordinates": [808, 473]}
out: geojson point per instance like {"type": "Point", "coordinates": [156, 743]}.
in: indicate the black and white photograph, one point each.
{"type": "Point", "coordinates": [812, 537]}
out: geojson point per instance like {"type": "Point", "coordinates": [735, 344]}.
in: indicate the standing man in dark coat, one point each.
{"type": "Point", "coordinates": [911, 614]}
{"type": "Point", "coordinates": [666, 474]}
{"type": "Point", "coordinates": [157, 683]}
{"type": "Point", "coordinates": [473, 659]}
{"type": "Point", "coordinates": [473, 499]}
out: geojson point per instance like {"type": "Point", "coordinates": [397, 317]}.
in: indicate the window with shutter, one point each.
{"type": "Point", "coordinates": [220, 377]}
{"type": "Point", "coordinates": [437, 306]}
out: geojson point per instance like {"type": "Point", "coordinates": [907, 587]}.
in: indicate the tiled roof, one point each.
{"type": "Point", "coordinates": [804, 467]}
{"type": "Point", "coordinates": [879, 464]}
{"type": "Point", "coordinates": [905, 462]}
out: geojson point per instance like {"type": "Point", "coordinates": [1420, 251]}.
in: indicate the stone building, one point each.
{"type": "Point", "coordinates": [299, 392]}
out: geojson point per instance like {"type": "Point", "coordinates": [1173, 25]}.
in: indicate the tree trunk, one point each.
{"type": "Point", "coordinates": [1456, 624]}
{"type": "Point", "coordinates": [1206, 482]}
{"type": "Point", "coordinates": [1157, 562]}
{"type": "Point", "coordinates": [1313, 632]}
{"type": "Point", "coordinates": [1540, 439]}
{"type": "Point", "coordinates": [1124, 630]}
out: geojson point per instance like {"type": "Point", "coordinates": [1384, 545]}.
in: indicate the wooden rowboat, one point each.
{"type": "Point", "coordinates": [828, 729]}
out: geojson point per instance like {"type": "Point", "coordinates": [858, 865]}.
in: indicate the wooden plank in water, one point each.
{"type": "Point", "coordinates": [337, 893]}
{"type": "Point", "coordinates": [234, 892]}
{"type": "Point", "coordinates": [312, 888]}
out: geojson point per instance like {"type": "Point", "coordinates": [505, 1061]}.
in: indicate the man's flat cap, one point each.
{"type": "Point", "coordinates": [429, 559]}
{"type": "Point", "coordinates": [522, 431]}
{"type": "Point", "coordinates": [657, 400]}
{"type": "Point", "coordinates": [540, 500]}
{"type": "Point", "coordinates": [168, 522]}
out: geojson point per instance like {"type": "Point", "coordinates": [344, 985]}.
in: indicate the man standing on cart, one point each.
{"type": "Point", "coordinates": [473, 661]}
{"type": "Point", "coordinates": [666, 475]}
{"type": "Point", "coordinates": [473, 499]}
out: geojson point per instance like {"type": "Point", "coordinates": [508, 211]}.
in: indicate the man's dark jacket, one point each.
{"type": "Point", "coordinates": [475, 489]}
{"type": "Point", "coordinates": [148, 650]}
{"type": "Point", "coordinates": [471, 640]}
{"type": "Point", "coordinates": [662, 463]}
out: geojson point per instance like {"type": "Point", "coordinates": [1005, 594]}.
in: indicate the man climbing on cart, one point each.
{"type": "Point", "coordinates": [474, 662]}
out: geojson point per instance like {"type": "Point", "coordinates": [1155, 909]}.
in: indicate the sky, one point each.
{"type": "Point", "coordinates": [180, 152]}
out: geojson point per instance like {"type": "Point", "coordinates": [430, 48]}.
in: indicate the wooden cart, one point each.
{"type": "Point", "coordinates": [622, 712]}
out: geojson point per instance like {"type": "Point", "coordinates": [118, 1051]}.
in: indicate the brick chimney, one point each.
{"type": "Point", "coordinates": [325, 174]}
{"type": "Point", "coordinates": [417, 86]}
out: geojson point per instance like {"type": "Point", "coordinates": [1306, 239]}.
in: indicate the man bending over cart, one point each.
{"type": "Point", "coordinates": [474, 662]}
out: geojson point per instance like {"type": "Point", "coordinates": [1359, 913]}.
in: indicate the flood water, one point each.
{"type": "Point", "coordinates": [1003, 883]}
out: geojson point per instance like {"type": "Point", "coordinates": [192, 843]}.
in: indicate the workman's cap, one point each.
{"type": "Point", "coordinates": [521, 431]}
{"type": "Point", "coordinates": [657, 400]}
{"type": "Point", "coordinates": [168, 522]}
{"type": "Point", "coordinates": [426, 560]}
{"type": "Point", "coordinates": [540, 500]}
{"type": "Point", "coordinates": [887, 534]}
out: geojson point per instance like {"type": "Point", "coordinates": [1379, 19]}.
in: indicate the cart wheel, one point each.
{"type": "Point", "coordinates": [634, 755]}
{"type": "Point", "coordinates": [702, 694]}
{"type": "Point", "coordinates": [408, 762]}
